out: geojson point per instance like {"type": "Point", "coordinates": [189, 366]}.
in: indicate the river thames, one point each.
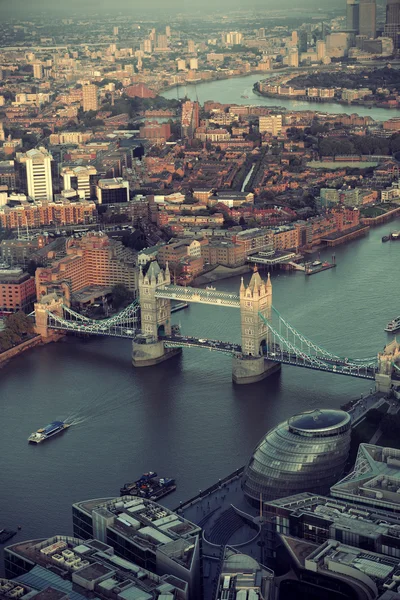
{"type": "Point", "coordinates": [232, 91]}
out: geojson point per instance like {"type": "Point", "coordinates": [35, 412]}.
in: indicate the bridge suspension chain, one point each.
{"type": "Point", "coordinates": [297, 352]}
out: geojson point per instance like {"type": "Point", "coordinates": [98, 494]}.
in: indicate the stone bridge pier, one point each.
{"type": "Point", "coordinates": [388, 376]}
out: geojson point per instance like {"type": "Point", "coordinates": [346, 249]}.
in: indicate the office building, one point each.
{"type": "Point", "coordinates": [243, 577]}
{"type": "Point", "coordinates": [392, 25]}
{"type": "Point", "coordinates": [193, 64]}
{"type": "Point", "coordinates": [37, 70]}
{"type": "Point", "coordinates": [168, 31]}
{"type": "Point", "coordinates": [375, 479]}
{"type": "Point", "coordinates": [367, 18]}
{"type": "Point", "coordinates": [17, 290]}
{"type": "Point", "coordinates": [321, 50]}
{"type": "Point", "coordinates": [145, 533]}
{"type": "Point", "coordinates": [80, 179]}
{"type": "Point", "coordinates": [191, 47]}
{"type": "Point", "coordinates": [307, 452]}
{"type": "Point", "coordinates": [2, 134]}
{"type": "Point", "coordinates": [293, 57]}
{"type": "Point", "coordinates": [90, 101]}
{"type": "Point", "coordinates": [337, 570]}
{"type": "Point", "coordinates": [115, 30]}
{"type": "Point", "coordinates": [352, 15]}
{"type": "Point", "coordinates": [92, 266]}
{"type": "Point", "coordinates": [35, 169]}
{"type": "Point", "coordinates": [271, 124]}
{"type": "Point", "coordinates": [162, 42]}
{"type": "Point", "coordinates": [181, 64]}
{"type": "Point", "coordinates": [65, 567]}
{"type": "Point", "coordinates": [147, 46]}
{"type": "Point", "coordinates": [112, 191]}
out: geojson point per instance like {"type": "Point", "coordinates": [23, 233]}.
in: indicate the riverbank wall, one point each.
{"type": "Point", "coordinates": [27, 345]}
{"type": "Point", "coordinates": [380, 219]}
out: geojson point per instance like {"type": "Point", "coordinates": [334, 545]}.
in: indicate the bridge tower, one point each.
{"type": "Point", "coordinates": [48, 303]}
{"type": "Point", "coordinates": [386, 361]}
{"type": "Point", "coordinates": [148, 348]}
{"type": "Point", "coordinates": [255, 300]}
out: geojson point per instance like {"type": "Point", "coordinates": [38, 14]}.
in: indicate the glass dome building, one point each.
{"type": "Point", "coordinates": [306, 453]}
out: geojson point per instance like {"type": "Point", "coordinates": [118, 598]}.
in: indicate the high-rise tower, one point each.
{"type": "Point", "coordinates": [367, 18]}
{"type": "Point", "coordinates": [352, 15]}
{"type": "Point", "coordinates": [392, 25]}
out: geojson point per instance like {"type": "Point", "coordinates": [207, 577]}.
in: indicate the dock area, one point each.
{"type": "Point", "coordinates": [324, 267]}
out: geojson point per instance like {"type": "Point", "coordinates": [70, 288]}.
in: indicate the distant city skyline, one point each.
{"type": "Point", "coordinates": [18, 8]}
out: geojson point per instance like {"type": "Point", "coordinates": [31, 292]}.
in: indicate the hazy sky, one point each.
{"type": "Point", "coordinates": [153, 7]}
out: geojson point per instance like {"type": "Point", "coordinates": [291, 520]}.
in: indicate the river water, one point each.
{"type": "Point", "coordinates": [232, 91]}
{"type": "Point", "coordinates": [183, 418]}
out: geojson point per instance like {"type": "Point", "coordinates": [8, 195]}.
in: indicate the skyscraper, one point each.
{"type": "Point", "coordinates": [352, 15]}
{"type": "Point", "coordinates": [367, 18]}
{"type": "Point", "coordinates": [37, 70]}
{"type": "Point", "coordinates": [90, 97]}
{"type": "Point", "coordinates": [392, 25]}
{"type": "Point", "coordinates": [35, 173]}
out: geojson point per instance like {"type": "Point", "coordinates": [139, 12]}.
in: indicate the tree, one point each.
{"type": "Point", "coordinates": [18, 324]}
{"type": "Point", "coordinates": [120, 295]}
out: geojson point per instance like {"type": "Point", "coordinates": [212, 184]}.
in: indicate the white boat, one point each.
{"type": "Point", "coordinates": [210, 287]}
{"type": "Point", "coordinates": [393, 325]}
{"type": "Point", "coordinates": [316, 263]}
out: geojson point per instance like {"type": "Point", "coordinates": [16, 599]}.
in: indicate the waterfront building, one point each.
{"type": "Point", "coordinates": [34, 170]}
{"type": "Point", "coordinates": [17, 290]}
{"type": "Point", "coordinates": [367, 18]}
{"type": "Point", "coordinates": [145, 533]}
{"type": "Point", "coordinates": [193, 64]}
{"type": "Point", "coordinates": [392, 25]}
{"type": "Point", "coordinates": [90, 101]}
{"type": "Point", "coordinates": [81, 179]}
{"type": "Point", "coordinates": [307, 452]}
{"type": "Point", "coordinates": [271, 124]}
{"type": "Point", "coordinates": [63, 567]}
{"type": "Point", "coordinates": [352, 15]}
{"type": "Point", "coordinates": [224, 252]}
{"type": "Point", "coordinates": [94, 263]}
{"type": "Point", "coordinates": [293, 57]}
{"type": "Point", "coordinates": [254, 240]}
{"type": "Point", "coordinates": [112, 191]}
{"type": "Point", "coordinates": [181, 64]}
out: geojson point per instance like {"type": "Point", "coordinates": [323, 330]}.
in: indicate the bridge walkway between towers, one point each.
{"type": "Point", "coordinates": [199, 295]}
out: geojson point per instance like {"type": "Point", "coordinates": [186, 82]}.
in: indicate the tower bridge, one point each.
{"type": "Point", "coordinates": [267, 339]}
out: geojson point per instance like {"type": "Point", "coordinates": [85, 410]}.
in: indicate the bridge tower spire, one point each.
{"type": "Point", "coordinates": [255, 309]}
{"type": "Point", "coordinates": [255, 300]}
{"type": "Point", "coordinates": [155, 314]}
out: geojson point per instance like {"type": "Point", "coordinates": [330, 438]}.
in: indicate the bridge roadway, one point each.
{"type": "Point", "coordinates": [201, 296]}
{"type": "Point", "coordinates": [296, 360]}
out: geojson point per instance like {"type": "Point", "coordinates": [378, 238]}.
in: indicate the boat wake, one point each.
{"type": "Point", "coordinates": [96, 409]}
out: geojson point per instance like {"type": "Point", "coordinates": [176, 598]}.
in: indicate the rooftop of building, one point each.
{"type": "Point", "coordinates": [148, 525]}
{"type": "Point", "coordinates": [318, 421]}
{"type": "Point", "coordinates": [75, 567]}
{"type": "Point", "coordinates": [375, 479]}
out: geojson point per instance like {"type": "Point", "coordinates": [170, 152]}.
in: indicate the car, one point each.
{"type": "Point", "coordinates": [202, 341]}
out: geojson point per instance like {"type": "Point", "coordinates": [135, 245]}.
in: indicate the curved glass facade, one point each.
{"type": "Point", "coordinates": [306, 453]}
